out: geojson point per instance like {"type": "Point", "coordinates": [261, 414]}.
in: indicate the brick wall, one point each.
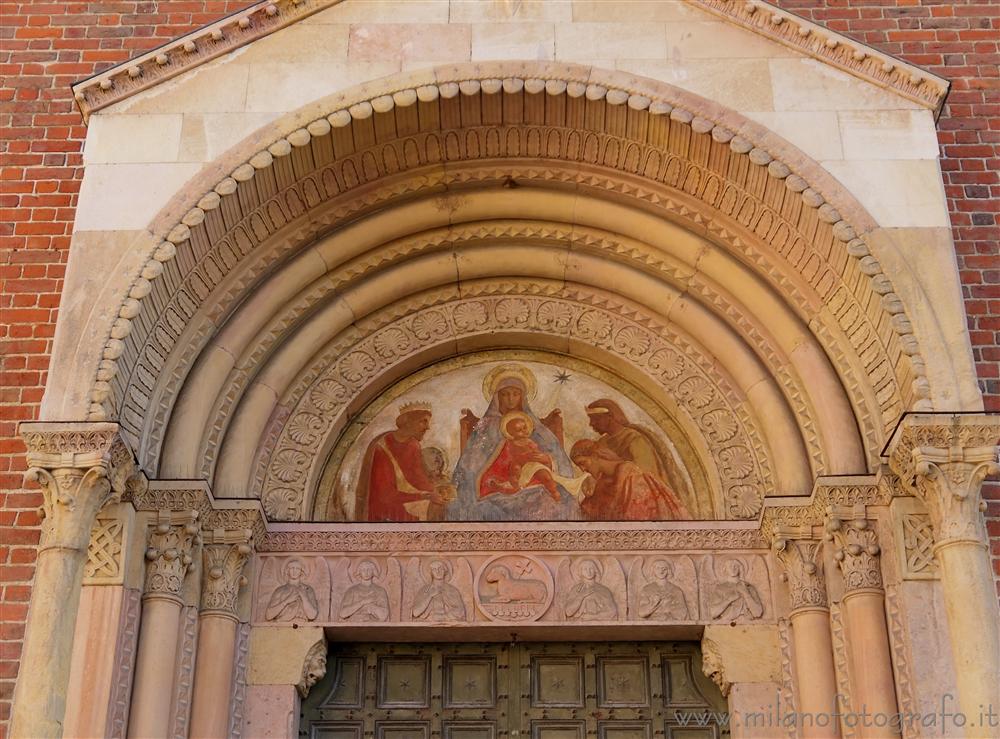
{"type": "Point", "coordinates": [46, 46]}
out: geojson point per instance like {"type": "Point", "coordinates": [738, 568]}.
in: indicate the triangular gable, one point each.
{"type": "Point", "coordinates": [264, 18]}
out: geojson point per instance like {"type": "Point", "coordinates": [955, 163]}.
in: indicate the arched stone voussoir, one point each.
{"type": "Point", "coordinates": [656, 356]}
{"type": "Point", "coordinates": [616, 127]}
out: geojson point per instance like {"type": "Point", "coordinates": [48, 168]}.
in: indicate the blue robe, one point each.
{"type": "Point", "coordinates": [531, 504]}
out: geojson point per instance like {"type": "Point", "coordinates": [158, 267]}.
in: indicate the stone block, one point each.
{"type": "Point", "coordinates": [132, 138]}
{"type": "Point", "coordinates": [742, 86]}
{"type": "Point", "coordinates": [809, 84]}
{"type": "Point", "coordinates": [888, 134]}
{"type": "Point", "coordinates": [513, 41]}
{"type": "Point", "coordinates": [426, 41]}
{"type": "Point", "coordinates": [583, 42]}
{"type": "Point", "coordinates": [896, 192]}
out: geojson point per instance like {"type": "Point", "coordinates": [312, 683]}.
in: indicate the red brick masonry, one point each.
{"type": "Point", "coordinates": [44, 47]}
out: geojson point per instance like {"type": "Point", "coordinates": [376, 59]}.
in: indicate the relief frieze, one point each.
{"type": "Point", "coordinates": [516, 588]}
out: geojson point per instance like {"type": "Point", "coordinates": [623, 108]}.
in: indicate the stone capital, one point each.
{"type": "Point", "coordinates": [225, 553]}
{"type": "Point", "coordinates": [79, 467]}
{"type": "Point", "coordinates": [801, 558]}
{"type": "Point", "coordinates": [856, 547]}
{"type": "Point", "coordinates": [944, 459]}
{"type": "Point", "coordinates": [171, 541]}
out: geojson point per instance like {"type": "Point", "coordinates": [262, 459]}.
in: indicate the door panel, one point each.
{"type": "Point", "coordinates": [557, 690]}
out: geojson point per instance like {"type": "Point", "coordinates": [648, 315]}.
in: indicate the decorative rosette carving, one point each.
{"type": "Point", "coordinates": [856, 549]}
{"type": "Point", "coordinates": [168, 553]}
{"type": "Point", "coordinates": [225, 555]}
{"type": "Point", "coordinates": [802, 569]}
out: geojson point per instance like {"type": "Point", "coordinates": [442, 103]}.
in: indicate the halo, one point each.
{"type": "Point", "coordinates": [575, 568]}
{"type": "Point", "coordinates": [508, 417]}
{"type": "Point", "coordinates": [306, 569]}
{"type": "Point", "coordinates": [353, 573]}
{"type": "Point", "coordinates": [425, 568]}
{"type": "Point", "coordinates": [647, 568]}
{"type": "Point", "coordinates": [508, 371]}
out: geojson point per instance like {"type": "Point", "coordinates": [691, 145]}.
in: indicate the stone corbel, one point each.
{"type": "Point", "coordinates": [313, 668]}
{"type": "Point", "coordinates": [856, 547]}
{"type": "Point", "coordinates": [173, 536]}
{"type": "Point", "coordinates": [225, 553]}
{"type": "Point", "coordinates": [944, 461]}
{"type": "Point", "coordinates": [713, 667]}
{"type": "Point", "coordinates": [800, 555]}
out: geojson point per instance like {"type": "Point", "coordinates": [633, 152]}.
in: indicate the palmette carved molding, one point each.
{"type": "Point", "coordinates": [572, 539]}
{"type": "Point", "coordinates": [281, 199]}
{"type": "Point", "coordinates": [263, 18]}
{"type": "Point", "coordinates": [372, 589]}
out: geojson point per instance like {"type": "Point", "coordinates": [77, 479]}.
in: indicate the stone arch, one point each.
{"type": "Point", "coordinates": [456, 146]}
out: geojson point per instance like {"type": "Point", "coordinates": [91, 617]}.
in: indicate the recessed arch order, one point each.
{"type": "Point", "coordinates": [565, 208]}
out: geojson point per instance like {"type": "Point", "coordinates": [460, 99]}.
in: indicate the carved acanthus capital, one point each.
{"type": "Point", "coordinates": [856, 547]}
{"type": "Point", "coordinates": [801, 559]}
{"type": "Point", "coordinates": [313, 668]}
{"type": "Point", "coordinates": [172, 538]}
{"type": "Point", "coordinates": [225, 553]}
{"type": "Point", "coordinates": [80, 467]}
{"type": "Point", "coordinates": [944, 460]}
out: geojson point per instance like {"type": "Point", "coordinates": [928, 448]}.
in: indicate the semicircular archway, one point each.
{"type": "Point", "coordinates": [587, 187]}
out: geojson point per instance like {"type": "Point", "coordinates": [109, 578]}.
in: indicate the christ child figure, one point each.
{"type": "Point", "coordinates": [520, 463]}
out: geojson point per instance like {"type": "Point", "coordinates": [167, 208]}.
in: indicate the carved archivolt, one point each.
{"type": "Point", "coordinates": [320, 399]}
{"type": "Point", "coordinates": [653, 147]}
{"type": "Point", "coordinates": [586, 240]}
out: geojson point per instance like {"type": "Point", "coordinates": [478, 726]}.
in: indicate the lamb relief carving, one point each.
{"type": "Point", "coordinates": [514, 588]}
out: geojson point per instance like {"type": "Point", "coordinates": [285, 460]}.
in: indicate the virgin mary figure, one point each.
{"type": "Point", "coordinates": [509, 388]}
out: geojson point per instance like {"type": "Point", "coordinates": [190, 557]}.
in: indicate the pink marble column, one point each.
{"type": "Point", "coordinates": [225, 555]}
{"type": "Point", "coordinates": [74, 464]}
{"type": "Point", "coordinates": [857, 554]}
{"type": "Point", "coordinates": [800, 557]}
{"type": "Point", "coordinates": [944, 460]}
{"type": "Point", "coordinates": [168, 559]}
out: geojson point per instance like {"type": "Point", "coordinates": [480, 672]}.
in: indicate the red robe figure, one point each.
{"type": "Point", "coordinates": [393, 473]}
{"type": "Point", "coordinates": [520, 463]}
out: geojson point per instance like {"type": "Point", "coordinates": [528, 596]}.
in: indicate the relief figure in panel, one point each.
{"type": "Point", "coordinates": [365, 600]}
{"type": "Point", "coordinates": [732, 597]}
{"type": "Point", "coordinates": [589, 599]}
{"type": "Point", "coordinates": [438, 599]}
{"type": "Point", "coordinates": [294, 600]}
{"type": "Point", "coordinates": [660, 599]}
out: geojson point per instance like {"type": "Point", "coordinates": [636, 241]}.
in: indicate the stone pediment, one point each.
{"type": "Point", "coordinates": [236, 31]}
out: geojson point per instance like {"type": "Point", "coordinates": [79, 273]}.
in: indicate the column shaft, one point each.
{"type": "Point", "coordinates": [154, 668]}
{"type": "Point", "coordinates": [48, 644]}
{"type": "Point", "coordinates": [213, 676]}
{"type": "Point", "coordinates": [971, 606]}
{"type": "Point", "coordinates": [871, 661]}
{"type": "Point", "coordinates": [816, 681]}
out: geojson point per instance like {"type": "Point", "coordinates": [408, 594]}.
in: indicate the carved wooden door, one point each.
{"type": "Point", "coordinates": [557, 690]}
